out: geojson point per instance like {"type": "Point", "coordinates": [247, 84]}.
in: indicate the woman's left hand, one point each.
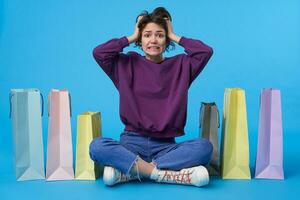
{"type": "Point", "coordinates": [171, 33]}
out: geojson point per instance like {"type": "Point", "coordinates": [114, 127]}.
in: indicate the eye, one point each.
{"type": "Point", "coordinates": [146, 35]}
{"type": "Point", "coordinates": [161, 35]}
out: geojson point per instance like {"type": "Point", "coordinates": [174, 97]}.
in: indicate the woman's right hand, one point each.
{"type": "Point", "coordinates": [135, 35]}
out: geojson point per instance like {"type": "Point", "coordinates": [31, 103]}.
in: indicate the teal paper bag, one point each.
{"type": "Point", "coordinates": [25, 111]}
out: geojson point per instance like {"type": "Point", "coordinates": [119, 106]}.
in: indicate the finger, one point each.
{"type": "Point", "coordinates": [139, 18]}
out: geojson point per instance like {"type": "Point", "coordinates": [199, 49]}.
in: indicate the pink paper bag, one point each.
{"type": "Point", "coordinates": [59, 152]}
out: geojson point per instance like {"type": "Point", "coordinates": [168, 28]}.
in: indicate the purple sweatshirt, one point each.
{"type": "Point", "coordinates": [153, 97]}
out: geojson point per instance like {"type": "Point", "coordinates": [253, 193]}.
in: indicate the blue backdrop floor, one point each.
{"type": "Point", "coordinates": [217, 189]}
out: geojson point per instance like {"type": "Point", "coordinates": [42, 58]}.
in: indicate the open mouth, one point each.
{"type": "Point", "coordinates": [153, 48]}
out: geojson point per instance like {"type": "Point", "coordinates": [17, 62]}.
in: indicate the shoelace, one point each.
{"type": "Point", "coordinates": [123, 177]}
{"type": "Point", "coordinates": [178, 177]}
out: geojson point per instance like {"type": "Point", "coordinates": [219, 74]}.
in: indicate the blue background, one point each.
{"type": "Point", "coordinates": [48, 44]}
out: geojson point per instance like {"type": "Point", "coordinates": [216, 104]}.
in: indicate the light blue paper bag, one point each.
{"type": "Point", "coordinates": [25, 111]}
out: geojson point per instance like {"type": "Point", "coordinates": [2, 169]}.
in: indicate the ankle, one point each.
{"type": "Point", "coordinates": [142, 169]}
{"type": "Point", "coordinates": [154, 174]}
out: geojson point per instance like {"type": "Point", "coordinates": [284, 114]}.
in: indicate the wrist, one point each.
{"type": "Point", "coordinates": [174, 38]}
{"type": "Point", "coordinates": [131, 39]}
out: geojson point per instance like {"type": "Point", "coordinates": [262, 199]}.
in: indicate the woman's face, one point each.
{"type": "Point", "coordinates": [153, 40]}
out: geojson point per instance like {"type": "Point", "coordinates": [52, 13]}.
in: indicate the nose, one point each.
{"type": "Point", "coordinates": [153, 39]}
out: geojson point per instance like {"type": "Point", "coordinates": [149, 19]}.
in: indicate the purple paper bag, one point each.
{"type": "Point", "coordinates": [269, 159]}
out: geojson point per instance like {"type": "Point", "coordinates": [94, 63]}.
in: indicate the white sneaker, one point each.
{"type": "Point", "coordinates": [112, 176]}
{"type": "Point", "coordinates": [197, 176]}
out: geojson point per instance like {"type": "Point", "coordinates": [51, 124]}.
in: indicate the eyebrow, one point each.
{"type": "Point", "coordinates": [151, 31]}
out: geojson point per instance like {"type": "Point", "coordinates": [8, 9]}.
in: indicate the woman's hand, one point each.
{"type": "Point", "coordinates": [173, 37]}
{"type": "Point", "coordinates": [135, 35]}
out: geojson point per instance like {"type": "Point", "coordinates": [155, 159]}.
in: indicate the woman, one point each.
{"type": "Point", "coordinates": [153, 101]}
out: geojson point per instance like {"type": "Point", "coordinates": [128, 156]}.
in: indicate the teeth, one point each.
{"type": "Point", "coordinates": [153, 47]}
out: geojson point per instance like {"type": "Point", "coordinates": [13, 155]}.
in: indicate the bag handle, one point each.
{"type": "Point", "coordinates": [10, 106]}
{"type": "Point", "coordinates": [42, 98]}
{"type": "Point", "coordinates": [48, 102]}
{"type": "Point", "coordinates": [10, 103]}
{"type": "Point", "coordinates": [218, 118]}
{"type": "Point", "coordinates": [202, 112]}
{"type": "Point", "coordinates": [201, 118]}
{"type": "Point", "coordinates": [70, 104]}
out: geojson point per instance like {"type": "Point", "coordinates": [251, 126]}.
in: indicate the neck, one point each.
{"type": "Point", "coordinates": [156, 59]}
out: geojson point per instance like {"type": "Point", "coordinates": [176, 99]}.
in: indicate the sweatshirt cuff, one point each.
{"type": "Point", "coordinates": [124, 41]}
{"type": "Point", "coordinates": [182, 40]}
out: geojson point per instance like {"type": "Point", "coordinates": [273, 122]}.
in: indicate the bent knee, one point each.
{"type": "Point", "coordinates": [204, 150]}
{"type": "Point", "coordinates": [97, 146]}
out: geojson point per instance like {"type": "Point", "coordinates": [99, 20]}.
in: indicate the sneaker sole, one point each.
{"type": "Point", "coordinates": [108, 176]}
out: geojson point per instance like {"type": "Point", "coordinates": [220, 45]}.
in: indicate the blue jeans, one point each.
{"type": "Point", "coordinates": [165, 153]}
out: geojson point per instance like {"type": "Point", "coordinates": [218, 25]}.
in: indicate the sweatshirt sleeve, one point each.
{"type": "Point", "coordinates": [108, 54]}
{"type": "Point", "coordinates": [198, 54]}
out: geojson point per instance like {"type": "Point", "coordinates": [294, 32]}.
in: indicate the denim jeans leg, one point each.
{"type": "Point", "coordinates": [109, 152]}
{"type": "Point", "coordinates": [184, 155]}
{"type": "Point", "coordinates": [137, 144]}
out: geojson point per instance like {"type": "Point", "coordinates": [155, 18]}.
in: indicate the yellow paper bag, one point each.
{"type": "Point", "coordinates": [88, 128]}
{"type": "Point", "coordinates": [235, 145]}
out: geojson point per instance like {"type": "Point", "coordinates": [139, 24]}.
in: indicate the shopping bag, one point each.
{"type": "Point", "coordinates": [235, 144]}
{"type": "Point", "coordinates": [26, 112]}
{"type": "Point", "coordinates": [269, 158]}
{"type": "Point", "coordinates": [88, 128]}
{"type": "Point", "coordinates": [209, 124]}
{"type": "Point", "coordinates": [59, 151]}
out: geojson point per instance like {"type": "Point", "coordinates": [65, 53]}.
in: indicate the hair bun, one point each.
{"type": "Point", "coordinates": [161, 12]}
